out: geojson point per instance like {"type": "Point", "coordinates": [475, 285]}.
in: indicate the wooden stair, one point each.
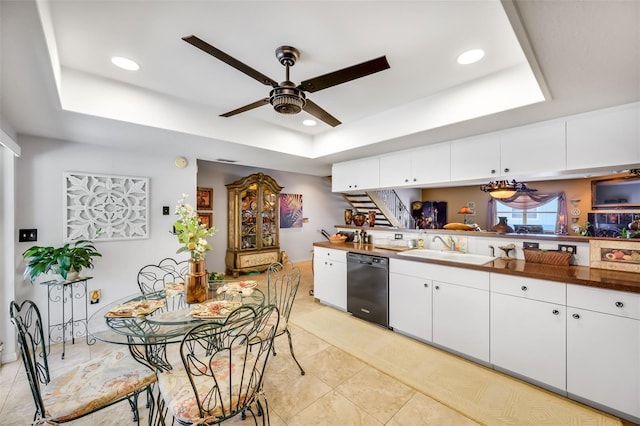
{"type": "Point", "coordinates": [366, 202]}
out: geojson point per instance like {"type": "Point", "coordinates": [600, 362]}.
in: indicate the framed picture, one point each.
{"type": "Point", "coordinates": [204, 198]}
{"type": "Point", "coordinates": [205, 219]}
{"type": "Point", "coordinates": [290, 210]}
{"type": "Point", "coordinates": [617, 255]}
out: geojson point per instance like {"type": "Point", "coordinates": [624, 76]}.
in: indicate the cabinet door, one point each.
{"type": "Point", "coordinates": [367, 173]}
{"type": "Point", "coordinates": [605, 138]}
{"type": "Point", "coordinates": [475, 158]}
{"type": "Point", "coordinates": [410, 305]}
{"type": "Point", "coordinates": [537, 150]}
{"type": "Point", "coordinates": [461, 319]}
{"type": "Point", "coordinates": [330, 282]}
{"type": "Point", "coordinates": [528, 338]}
{"type": "Point", "coordinates": [395, 169]}
{"type": "Point", "coordinates": [248, 218]}
{"type": "Point", "coordinates": [603, 359]}
{"type": "Point", "coordinates": [357, 175]}
{"type": "Point", "coordinates": [431, 164]}
{"type": "Point", "coordinates": [341, 175]}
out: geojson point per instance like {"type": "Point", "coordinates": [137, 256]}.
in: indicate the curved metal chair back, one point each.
{"type": "Point", "coordinates": [225, 364]}
{"type": "Point", "coordinates": [153, 278]}
{"type": "Point", "coordinates": [26, 317]}
{"type": "Point", "coordinates": [283, 280]}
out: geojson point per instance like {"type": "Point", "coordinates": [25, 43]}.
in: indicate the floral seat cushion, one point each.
{"type": "Point", "coordinates": [94, 384]}
{"type": "Point", "coordinates": [223, 401]}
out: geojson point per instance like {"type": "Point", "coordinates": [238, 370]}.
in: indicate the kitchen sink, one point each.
{"type": "Point", "coordinates": [451, 256]}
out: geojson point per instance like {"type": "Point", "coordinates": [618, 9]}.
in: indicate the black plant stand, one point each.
{"type": "Point", "coordinates": [66, 292]}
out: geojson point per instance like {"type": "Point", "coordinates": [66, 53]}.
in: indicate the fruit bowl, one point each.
{"type": "Point", "coordinates": [336, 239]}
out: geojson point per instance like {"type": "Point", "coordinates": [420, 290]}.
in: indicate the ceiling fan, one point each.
{"type": "Point", "coordinates": [286, 97]}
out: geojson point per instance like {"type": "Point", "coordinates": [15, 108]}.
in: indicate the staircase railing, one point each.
{"type": "Point", "coordinates": [392, 206]}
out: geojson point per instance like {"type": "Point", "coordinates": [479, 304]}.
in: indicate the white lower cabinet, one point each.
{"type": "Point", "coordinates": [528, 338]}
{"type": "Point", "coordinates": [461, 319]}
{"type": "Point", "coordinates": [528, 328]}
{"type": "Point", "coordinates": [330, 276]}
{"type": "Point", "coordinates": [603, 347]}
{"type": "Point", "coordinates": [410, 300]}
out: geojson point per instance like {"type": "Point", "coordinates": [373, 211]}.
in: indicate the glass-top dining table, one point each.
{"type": "Point", "coordinates": [148, 323]}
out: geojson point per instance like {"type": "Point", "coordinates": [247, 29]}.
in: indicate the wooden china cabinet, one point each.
{"type": "Point", "coordinates": [253, 226]}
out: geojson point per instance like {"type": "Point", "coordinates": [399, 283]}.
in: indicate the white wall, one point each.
{"type": "Point", "coordinates": [39, 204]}
{"type": "Point", "coordinates": [323, 208]}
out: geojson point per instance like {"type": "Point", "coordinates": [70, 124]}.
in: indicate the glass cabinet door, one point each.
{"type": "Point", "coordinates": [248, 214]}
{"type": "Point", "coordinates": [269, 222]}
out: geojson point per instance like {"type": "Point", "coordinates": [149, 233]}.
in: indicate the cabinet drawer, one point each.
{"type": "Point", "coordinates": [325, 253]}
{"type": "Point", "coordinates": [529, 288]}
{"type": "Point", "coordinates": [612, 302]}
{"type": "Point", "coordinates": [461, 276]}
{"type": "Point", "coordinates": [413, 269]}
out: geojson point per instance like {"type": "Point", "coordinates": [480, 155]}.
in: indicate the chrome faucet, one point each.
{"type": "Point", "coordinates": [451, 246]}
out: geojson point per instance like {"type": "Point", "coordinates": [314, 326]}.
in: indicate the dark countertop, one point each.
{"type": "Point", "coordinates": [582, 275]}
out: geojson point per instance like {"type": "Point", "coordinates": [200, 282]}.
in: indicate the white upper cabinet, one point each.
{"type": "Point", "coordinates": [475, 158]}
{"type": "Point", "coordinates": [607, 138]}
{"type": "Point", "coordinates": [537, 150]}
{"type": "Point", "coordinates": [416, 167]}
{"type": "Point", "coordinates": [356, 175]}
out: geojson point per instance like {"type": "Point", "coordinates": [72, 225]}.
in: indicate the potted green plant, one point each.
{"type": "Point", "coordinates": [67, 260]}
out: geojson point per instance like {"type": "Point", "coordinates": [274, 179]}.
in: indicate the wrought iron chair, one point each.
{"type": "Point", "coordinates": [222, 369]}
{"type": "Point", "coordinates": [82, 389]}
{"type": "Point", "coordinates": [283, 280]}
{"type": "Point", "coordinates": [154, 278]}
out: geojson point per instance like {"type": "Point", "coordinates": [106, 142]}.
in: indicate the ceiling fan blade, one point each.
{"type": "Point", "coordinates": [229, 60]}
{"type": "Point", "coordinates": [347, 74]}
{"type": "Point", "coordinates": [321, 114]}
{"type": "Point", "coordinates": [251, 106]}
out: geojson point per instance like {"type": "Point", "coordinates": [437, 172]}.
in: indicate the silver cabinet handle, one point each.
{"type": "Point", "coordinates": [523, 288]}
{"type": "Point", "coordinates": [555, 312]}
{"type": "Point", "coordinates": [619, 304]}
{"type": "Point", "coordinates": [576, 316]}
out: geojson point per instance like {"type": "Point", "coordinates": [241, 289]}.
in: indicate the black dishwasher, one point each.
{"type": "Point", "coordinates": [368, 287]}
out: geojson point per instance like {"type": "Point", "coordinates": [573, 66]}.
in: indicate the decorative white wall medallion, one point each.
{"type": "Point", "coordinates": [104, 207]}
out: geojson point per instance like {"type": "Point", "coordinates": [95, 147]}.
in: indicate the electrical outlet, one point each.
{"type": "Point", "coordinates": [27, 235]}
{"type": "Point", "coordinates": [530, 245]}
{"type": "Point", "coordinates": [165, 210]}
{"type": "Point", "coordinates": [398, 236]}
{"type": "Point", "coordinates": [568, 248]}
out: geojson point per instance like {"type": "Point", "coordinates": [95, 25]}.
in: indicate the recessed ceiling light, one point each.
{"type": "Point", "coordinates": [470, 56]}
{"type": "Point", "coordinates": [309, 122]}
{"type": "Point", "coordinates": [124, 63]}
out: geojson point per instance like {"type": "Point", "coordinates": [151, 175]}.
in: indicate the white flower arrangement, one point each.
{"type": "Point", "coordinates": [191, 233]}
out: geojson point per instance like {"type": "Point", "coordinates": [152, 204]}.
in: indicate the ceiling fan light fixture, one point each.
{"type": "Point", "coordinates": [502, 189]}
{"type": "Point", "coordinates": [308, 122]}
{"type": "Point", "coordinates": [287, 100]}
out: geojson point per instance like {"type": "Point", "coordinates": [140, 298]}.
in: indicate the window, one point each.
{"type": "Point", "coordinates": [529, 219]}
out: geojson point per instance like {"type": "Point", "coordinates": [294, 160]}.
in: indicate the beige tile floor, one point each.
{"type": "Point", "coordinates": [338, 389]}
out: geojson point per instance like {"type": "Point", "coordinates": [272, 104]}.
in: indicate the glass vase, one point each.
{"type": "Point", "coordinates": [196, 283]}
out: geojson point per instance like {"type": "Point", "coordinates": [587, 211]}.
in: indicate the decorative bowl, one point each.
{"type": "Point", "coordinates": [337, 239]}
